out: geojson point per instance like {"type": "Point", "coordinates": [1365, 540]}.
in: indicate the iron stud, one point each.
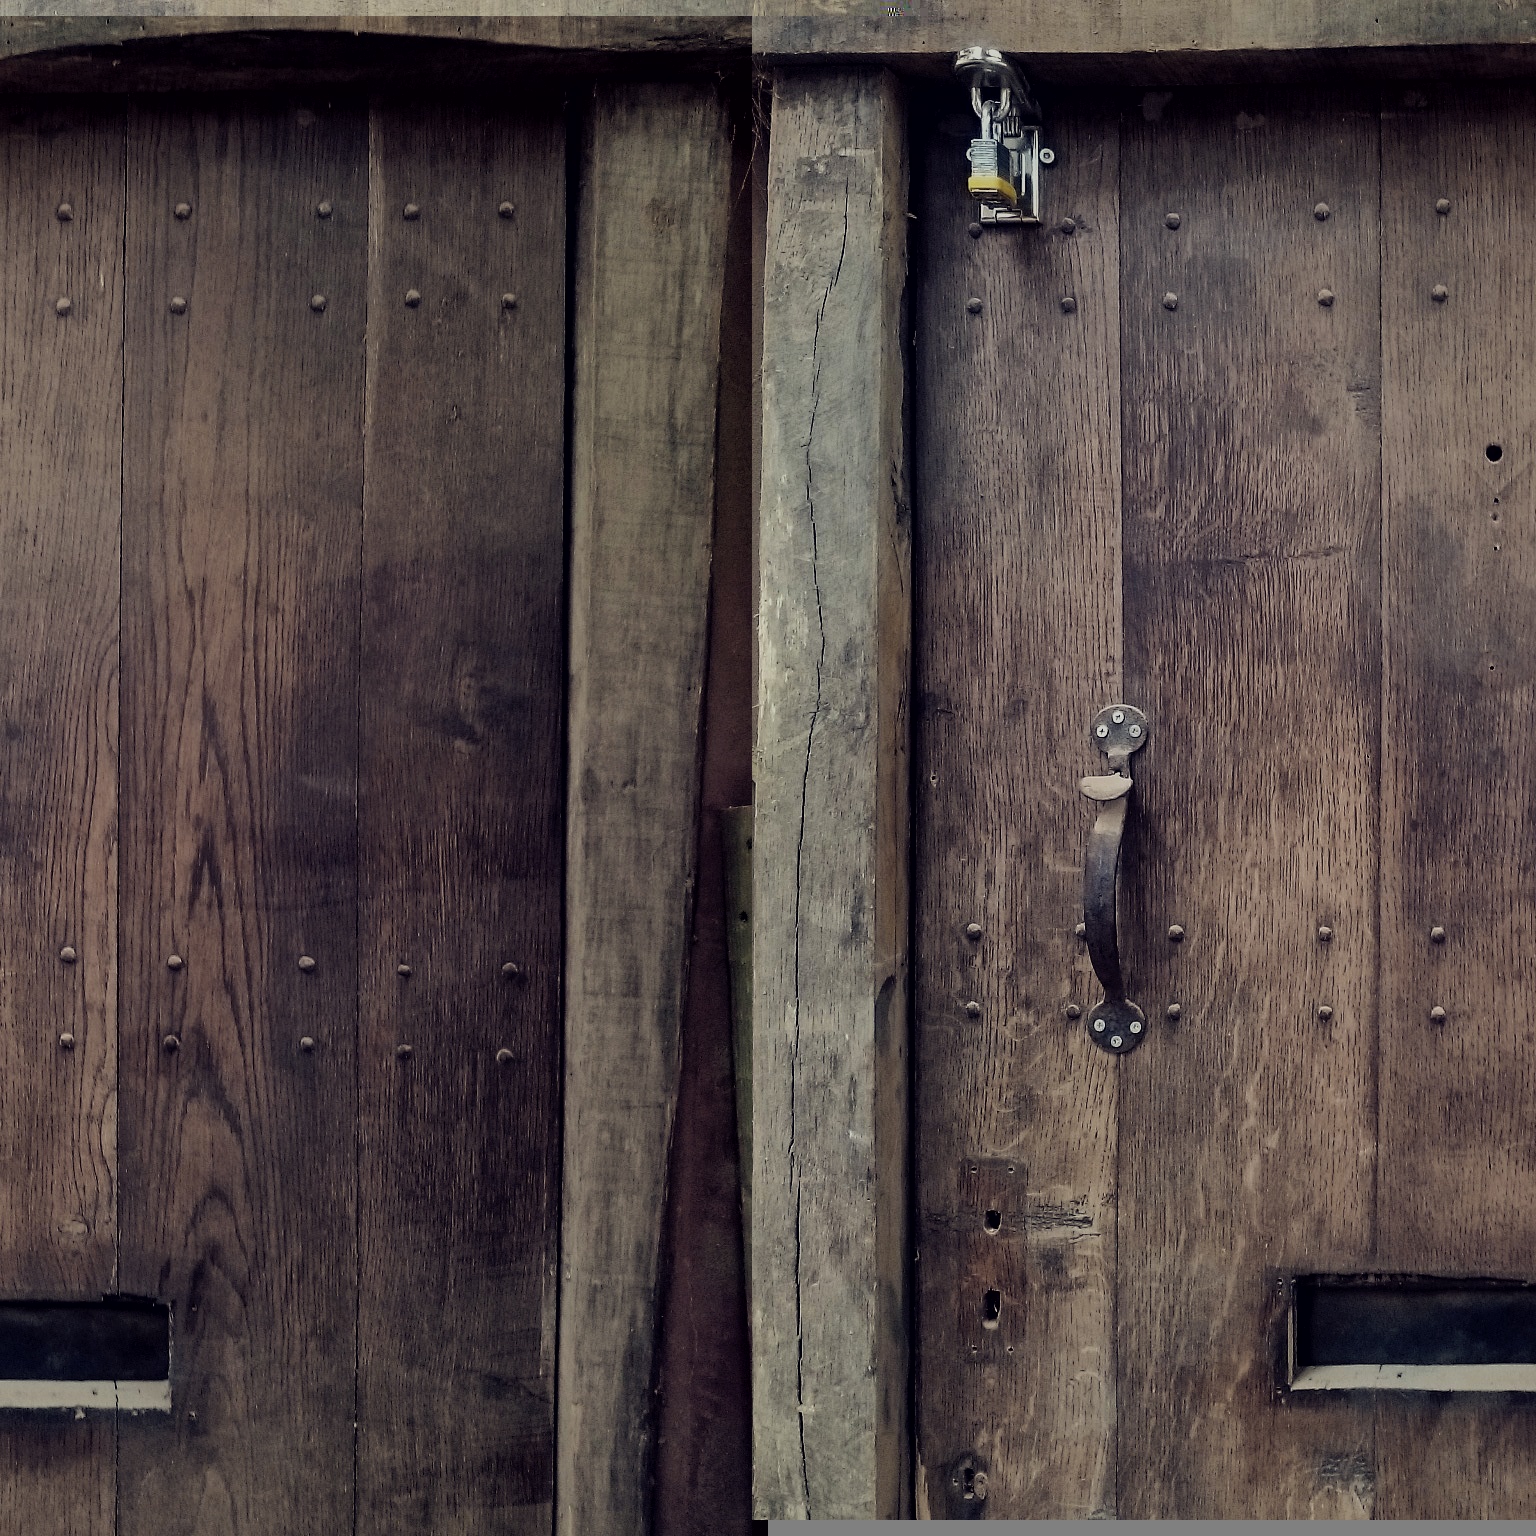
{"type": "Point", "coordinates": [511, 969]}
{"type": "Point", "coordinates": [66, 1041]}
{"type": "Point", "coordinates": [1172, 220]}
{"type": "Point", "coordinates": [1170, 301]}
{"type": "Point", "coordinates": [1072, 1011]}
{"type": "Point", "coordinates": [402, 970]}
{"type": "Point", "coordinates": [1325, 297]}
{"type": "Point", "coordinates": [509, 301]}
{"type": "Point", "coordinates": [412, 298]}
{"type": "Point", "coordinates": [183, 210]}
{"type": "Point", "coordinates": [1437, 934]}
{"type": "Point", "coordinates": [1176, 933]}
{"type": "Point", "coordinates": [412, 211]}
{"type": "Point", "coordinates": [1173, 1010]}
{"type": "Point", "coordinates": [973, 229]}
{"type": "Point", "coordinates": [404, 1052]}
{"type": "Point", "coordinates": [1325, 933]}
{"type": "Point", "coordinates": [973, 306]}
{"type": "Point", "coordinates": [317, 303]}
{"type": "Point", "coordinates": [64, 213]}
{"type": "Point", "coordinates": [1069, 226]}
{"type": "Point", "coordinates": [324, 210]}
{"type": "Point", "coordinates": [506, 210]}
{"type": "Point", "coordinates": [503, 1057]}
{"type": "Point", "coordinates": [62, 307]}
{"type": "Point", "coordinates": [1321, 212]}
{"type": "Point", "coordinates": [1069, 305]}
{"type": "Point", "coordinates": [178, 305]}
{"type": "Point", "coordinates": [973, 931]}
{"type": "Point", "coordinates": [1437, 1014]}
{"type": "Point", "coordinates": [173, 962]}
{"type": "Point", "coordinates": [171, 1043]}
{"type": "Point", "coordinates": [306, 962]}
{"type": "Point", "coordinates": [1439, 293]}
{"type": "Point", "coordinates": [306, 1043]}
{"type": "Point", "coordinates": [1325, 1013]}
{"type": "Point", "coordinates": [68, 954]}
{"type": "Point", "coordinates": [1443, 206]}
{"type": "Point", "coordinates": [973, 1008]}
{"type": "Point", "coordinates": [1081, 931]}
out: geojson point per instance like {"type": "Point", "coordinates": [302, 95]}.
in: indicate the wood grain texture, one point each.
{"type": "Point", "coordinates": [1018, 593]}
{"type": "Point", "coordinates": [460, 819]}
{"type": "Point", "coordinates": [1247, 1130]}
{"type": "Point", "coordinates": [61, 423]}
{"type": "Point", "coordinates": [1459, 703]}
{"type": "Point", "coordinates": [829, 905]}
{"type": "Point", "coordinates": [654, 204]}
{"type": "Point", "coordinates": [243, 483]}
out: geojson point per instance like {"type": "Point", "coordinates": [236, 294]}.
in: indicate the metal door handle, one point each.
{"type": "Point", "coordinates": [1116, 1024]}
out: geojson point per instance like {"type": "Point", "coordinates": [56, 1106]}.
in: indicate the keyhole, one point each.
{"type": "Point", "coordinates": [1495, 452]}
{"type": "Point", "coordinates": [991, 1308]}
{"type": "Point", "coordinates": [992, 1220]}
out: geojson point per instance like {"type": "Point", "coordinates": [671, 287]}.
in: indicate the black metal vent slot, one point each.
{"type": "Point", "coordinates": [114, 1353]}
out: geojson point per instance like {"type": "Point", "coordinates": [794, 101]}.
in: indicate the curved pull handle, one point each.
{"type": "Point", "coordinates": [1117, 1024]}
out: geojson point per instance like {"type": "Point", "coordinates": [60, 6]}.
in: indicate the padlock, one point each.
{"type": "Point", "coordinates": [991, 182]}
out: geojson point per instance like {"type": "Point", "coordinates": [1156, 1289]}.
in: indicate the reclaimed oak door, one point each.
{"type": "Point", "coordinates": [281, 711]}
{"type": "Point", "coordinates": [1241, 436]}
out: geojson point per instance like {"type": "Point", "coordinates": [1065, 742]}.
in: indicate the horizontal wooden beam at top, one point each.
{"type": "Point", "coordinates": [210, 52]}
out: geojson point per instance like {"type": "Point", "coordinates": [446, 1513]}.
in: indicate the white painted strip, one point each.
{"type": "Point", "coordinates": [131, 1396]}
{"type": "Point", "coordinates": [1415, 1378]}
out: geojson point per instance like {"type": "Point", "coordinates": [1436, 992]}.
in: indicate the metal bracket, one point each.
{"type": "Point", "coordinates": [1006, 155]}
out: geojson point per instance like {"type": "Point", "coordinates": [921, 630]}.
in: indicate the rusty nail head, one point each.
{"type": "Point", "coordinates": [183, 210]}
{"type": "Point", "coordinates": [178, 305]}
{"type": "Point", "coordinates": [973, 931]}
{"type": "Point", "coordinates": [171, 1043]}
{"type": "Point", "coordinates": [66, 1041]}
{"type": "Point", "coordinates": [412, 211]}
{"type": "Point", "coordinates": [1325, 297]}
{"type": "Point", "coordinates": [1172, 220]}
{"type": "Point", "coordinates": [412, 298]}
{"type": "Point", "coordinates": [1081, 931]}
{"type": "Point", "coordinates": [404, 1052]}
{"type": "Point", "coordinates": [1437, 934]}
{"type": "Point", "coordinates": [1173, 1010]}
{"type": "Point", "coordinates": [324, 210]}
{"type": "Point", "coordinates": [174, 962]}
{"type": "Point", "coordinates": [62, 307]}
{"type": "Point", "coordinates": [973, 306]}
{"type": "Point", "coordinates": [973, 1008]}
{"type": "Point", "coordinates": [1325, 1013]}
{"type": "Point", "coordinates": [1443, 206]}
{"type": "Point", "coordinates": [64, 213]}
{"type": "Point", "coordinates": [1325, 933]}
{"type": "Point", "coordinates": [1176, 932]}
{"type": "Point", "coordinates": [1170, 301]}
{"type": "Point", "coordinates": [973, 229]}
{"type": "Point", "coordinates": [1073, 1011]}
{"type": "Point", "coordinates": [506, 210]}
{"type": "Point", "coordinates": [1439, 293]}
{"type": "Point", "coordinates": [503, 1057]}
{"type": "Point", "coordinates": [307, 1043]}
{"type": "Point", "coordinates": [1069, 226]}
{"type": "Point", "coordinates": [1437, 1014]}
{"type": "Point", "coordinates": [402, 969]}
{"type": "Point", "coordinates": [306, 962]}
{"type": "Point", "coordinates": [1069, 305]}
{"type": "Point", "coordinates": [317, 302]}
{"type": "Point", "coordinates": [509, 301]}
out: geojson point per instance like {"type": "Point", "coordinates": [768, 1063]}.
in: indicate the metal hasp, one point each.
{"type": "Point", "coordinates": [1005, 156]}
{"type": "Point", "coordinates": [1117, 1024]}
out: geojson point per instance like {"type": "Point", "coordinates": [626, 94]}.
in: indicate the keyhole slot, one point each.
{"type": "Point", "coordinates": [992, 1221]}
{"type": "Point", "coordinates": [991, 1308]}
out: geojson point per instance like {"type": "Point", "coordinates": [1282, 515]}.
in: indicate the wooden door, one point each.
{"type": "Point", "coordinates": [281, 669]}
{"type": "Point", "coordinates": [1241, 436]}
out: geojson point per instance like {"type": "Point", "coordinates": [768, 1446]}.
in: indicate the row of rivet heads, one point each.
{"type": "Point", "coordinates": [318, 302]}
{"type": "Point", "coordinates": [511, 970]}
{"type": "Point", "coordinates": [974, 932]}
{"type": "Point", "coordinates": [1325, 296]}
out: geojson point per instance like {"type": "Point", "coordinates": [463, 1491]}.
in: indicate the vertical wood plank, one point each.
{"type": "Point", "coordinates": [243, 482]}
{"type": "Point", "coordinates": [829, 1242]}
{"type": "Point", "coordinates": [1458, 786]}
{"type": "Point", "coordinates": [650, 260]}
{"type": "Point", "coordinates": [460, 821]}
{"type": "Point", "coordinates": [1018, 592]}
{"type": "Point", "coordinates": [61, 424]}
{"type": "Point", "coordinates": [1251, 463]}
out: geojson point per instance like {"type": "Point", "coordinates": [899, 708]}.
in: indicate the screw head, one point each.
{"type": "Point", "coordinates": [1439, 293]}
{"type": "Point", "coordinates": [1176, 932]}
{"type": "Point", "coordinates": [1437, 934]}
{"type": "Point", "coordinates": [1068, 305]}
{"type": "Point", "coordinates": [412, 298]}
{"type": "Point", "coordinates": [1325, 933]}
{"type": "Point", "coordinates": [306, 962]}
{"type": "Point", "coordinates": [411, 211]}
{"type": "Point", "coordinates": [66, 1041]}
{"type": "Point", "coordinates": [1101, 731]}
{"type": "Point", "coordinates": [1098, 1026]}
{"type": "Point", "coordinates": [1047, 157]}
{"type": "Point", "coordinates": [973, 306]}
{"type": "Point", "coordinates": [64, 213]}
{"type": "Point", "coordinates": [1325, 1013]}
{"type": "Point", "coordinates": [1443, 206]}
{"type": "Point", "coordinates": [317, 302]}
{"type": "Point", "coordinates": [1325, 297]}
{"type": "Point", "coordinates": [506, 210]}
{"type": "Point", "coordinates": [973, 931]}
{"type": "Point", "coordinates": [183, 210]}
{"type": "Point", "coordinates": [973, 229]}
{"type": "Point", "coordinates": [404, 1052]}
{"type": "Point", "coordinates": [68, 954]}
{"type": "Point", "coordinates": [1081, 931]}
{"type": "Point", "coordinates": [1437, 1014]}
{"type": "Point", "coordinates": [1170, 301]}
{"type": "Point", "coordinates": [1118, 717]}
{"type": "Point", "coordinates": [1068, 226]}
{"type": "Point", "coordinates": [324, 210]}
{"type": "Point", "coordinates": [973, 1008]}
{"type": "Point", "coordinates": [62, 306]}
{"type": "Point", "coordinates": [306, 1043]}
{"type": "Point", "coordinates": [1072, 1011]}
{"type": "Point", "coordinates": [178, 305]}
{"type": "Point", "coordinates": [1172, 220]}
{"type": "Point", "coordinates": [1135, 1026]}
{"type": "Point", "coordinates": [171, 1043]}
{"type": "Point", "coordinates": [509, 301]}
{"type": "Point", "coordinates": [1117, 1041]}
{"type": "Point", "coordinates": [504, 1057]}
{"type": "Point", "coordinates": [174, 962]}
{"type": "Point", "coordinates": [1135, 733]}
{"type": "Point", "coordinates": [402, 970]}
{"type": "Point", "coordinates": [1173, 1010]}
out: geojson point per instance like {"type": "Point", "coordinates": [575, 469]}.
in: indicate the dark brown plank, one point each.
{"type": "Point", "coordinates": [1459, 704]}
{"type": "Point", "coordinates": [1018, 594]}
{"type": "Point", "coordinates": [61, 424]}
{"type": "Point", "coordinates": [243, 484]}
{"type": "Point", "coordinates": [461, 823]}
{"type": "Point", "coordinates": [1251, 639]}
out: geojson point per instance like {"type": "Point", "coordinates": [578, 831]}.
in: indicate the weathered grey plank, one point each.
{"type": "Point", "coordinates": [650, 265]}
{"type": "Point", "coordinates": [829, 887]}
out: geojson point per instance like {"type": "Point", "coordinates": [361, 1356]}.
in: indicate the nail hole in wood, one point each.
{"type": "Point", "coordinates": [1495, 452]}
{"type": "Point", "coordinates": [992, 1220]}
{"type": "Point", "coordinates": [991, 1308]}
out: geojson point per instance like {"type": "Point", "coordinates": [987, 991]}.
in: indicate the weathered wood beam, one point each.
{"type": "Point", "coordinates": [649, 272]}
{"type": "Point", "coordinates": [830, 831]}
